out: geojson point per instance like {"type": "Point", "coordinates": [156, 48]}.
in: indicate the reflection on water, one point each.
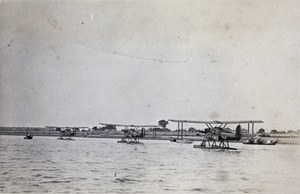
{"type": "Point", "coordinates": [46, 164]}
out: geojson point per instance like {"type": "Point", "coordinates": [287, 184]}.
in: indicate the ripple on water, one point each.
{"type": "Point", "coordinates": [55, 181]}
{"type": "Point", "coordinates": [126, 180]}
{"type": "Point", "coordinates": [95, 165]}
{"type": "Point", "coordinates": [202, 190]}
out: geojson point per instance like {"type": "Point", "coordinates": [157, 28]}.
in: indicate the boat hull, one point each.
{"type": "Point", "coordinates": [260, 142]}
{"type": "Point", "coordinates": [185, 141]}
{"type": "Point", "coordinates": [122, 141]}
{"type": "Point", "coordinates": [28, 137]}
{"type": "Point", "coordinates": [61, 138]}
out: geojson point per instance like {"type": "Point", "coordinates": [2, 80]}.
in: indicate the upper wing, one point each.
{"type": "Point", "coordinates": [216, 121]}
{"type": "Point", "coordinates": [121, 125]}
{"type": "Point", "coordinates": [191, 121]}
{"type": "Point", "coordinates": [54, 127]}
{"type": "Point", "coordinates": [239, 122]}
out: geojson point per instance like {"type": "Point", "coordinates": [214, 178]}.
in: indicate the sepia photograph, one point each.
{"type": "Point", "coordinates": [160, 96]}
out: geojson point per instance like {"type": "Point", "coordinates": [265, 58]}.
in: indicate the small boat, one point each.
{"type": "Point", "coordinates": [248, 141]}
{"type": "Point", "coordinates": [67, 138]}
{"type": "Point", "coordinates": [28, 136]}
{"type": "Point", "coordinates": [187, 141]}
{"type": "Point", "coordinates": [271, 142]}
{"type": "Point", "coordinates": [172, 139]}
{"type": "Point", "coordinates": [260, 142]}
{"type": "Point", "coordinates": [253, 141]}
{"type": "Point", "coordinates": [122, 141]}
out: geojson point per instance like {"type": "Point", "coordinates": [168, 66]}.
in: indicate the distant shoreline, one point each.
{"type": "Point", "coordinates": [282, 140]}
{"type": "Point", "coordinates": [150, 135]}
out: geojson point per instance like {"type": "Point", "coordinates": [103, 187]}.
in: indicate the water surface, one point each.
{"type": "Point", "coordinates": [92, 165]}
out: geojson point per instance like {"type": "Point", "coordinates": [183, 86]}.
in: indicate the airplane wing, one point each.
{"type": "Point", "coordinates": [117, 125]}
{"type": "Point", "coordinates": [225, 134]}
{"type": "Point", "coordinates": [190, 121]}
{"type": "Point", "coordinates": [216, 121]}
{"type": "Point", "coordinates": [54, 127]}
{"type": "Point", "coordinates": [239, 122]}
{"type": "Point", "coordinates": [153, 126]}
{"type": "Point", "coordinates": [121, 125]}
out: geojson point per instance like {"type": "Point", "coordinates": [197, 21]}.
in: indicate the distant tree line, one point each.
{"type": "Point", "coordinates": [104, 128]}
{"type": "Point", "coordinates": [164, 123]}
{"type": "Point", "coordinates": [274, 131]}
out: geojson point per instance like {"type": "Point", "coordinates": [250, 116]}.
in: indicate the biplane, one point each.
{"type": "Point", "coordinates": [217, 136]}
{"type": "Point", "coordinates": [66, 132]}
{"type": "Point", "coordinates": [132, 133]}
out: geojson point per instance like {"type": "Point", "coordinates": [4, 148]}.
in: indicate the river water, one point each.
{"type": "Point", "coordinates": [94, 165]}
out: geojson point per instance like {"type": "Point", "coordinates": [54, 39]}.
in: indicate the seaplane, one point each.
{"type": "Point", "coordinates": [132, 133]}
{"type": "Point", "coordinates": [217, 136]}
{"type": "Point", "coordinates": [66, 132]}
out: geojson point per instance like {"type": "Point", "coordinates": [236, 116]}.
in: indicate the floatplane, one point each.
{"type": "Point", "coordinates": [132, 133]}
{"type": "Point", "coordinates": [217, 136]}
{"type": "Point", "coordinates": [66, 132]}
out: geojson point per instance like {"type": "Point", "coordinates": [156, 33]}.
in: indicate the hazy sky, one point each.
{"type": "Point", "coordinates": [78, 63]}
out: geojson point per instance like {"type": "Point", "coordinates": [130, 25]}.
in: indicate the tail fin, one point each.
{"type": "Point", "coordinates": [238, 131]}
{"type": "Point", "coordinates": [143, 132]}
